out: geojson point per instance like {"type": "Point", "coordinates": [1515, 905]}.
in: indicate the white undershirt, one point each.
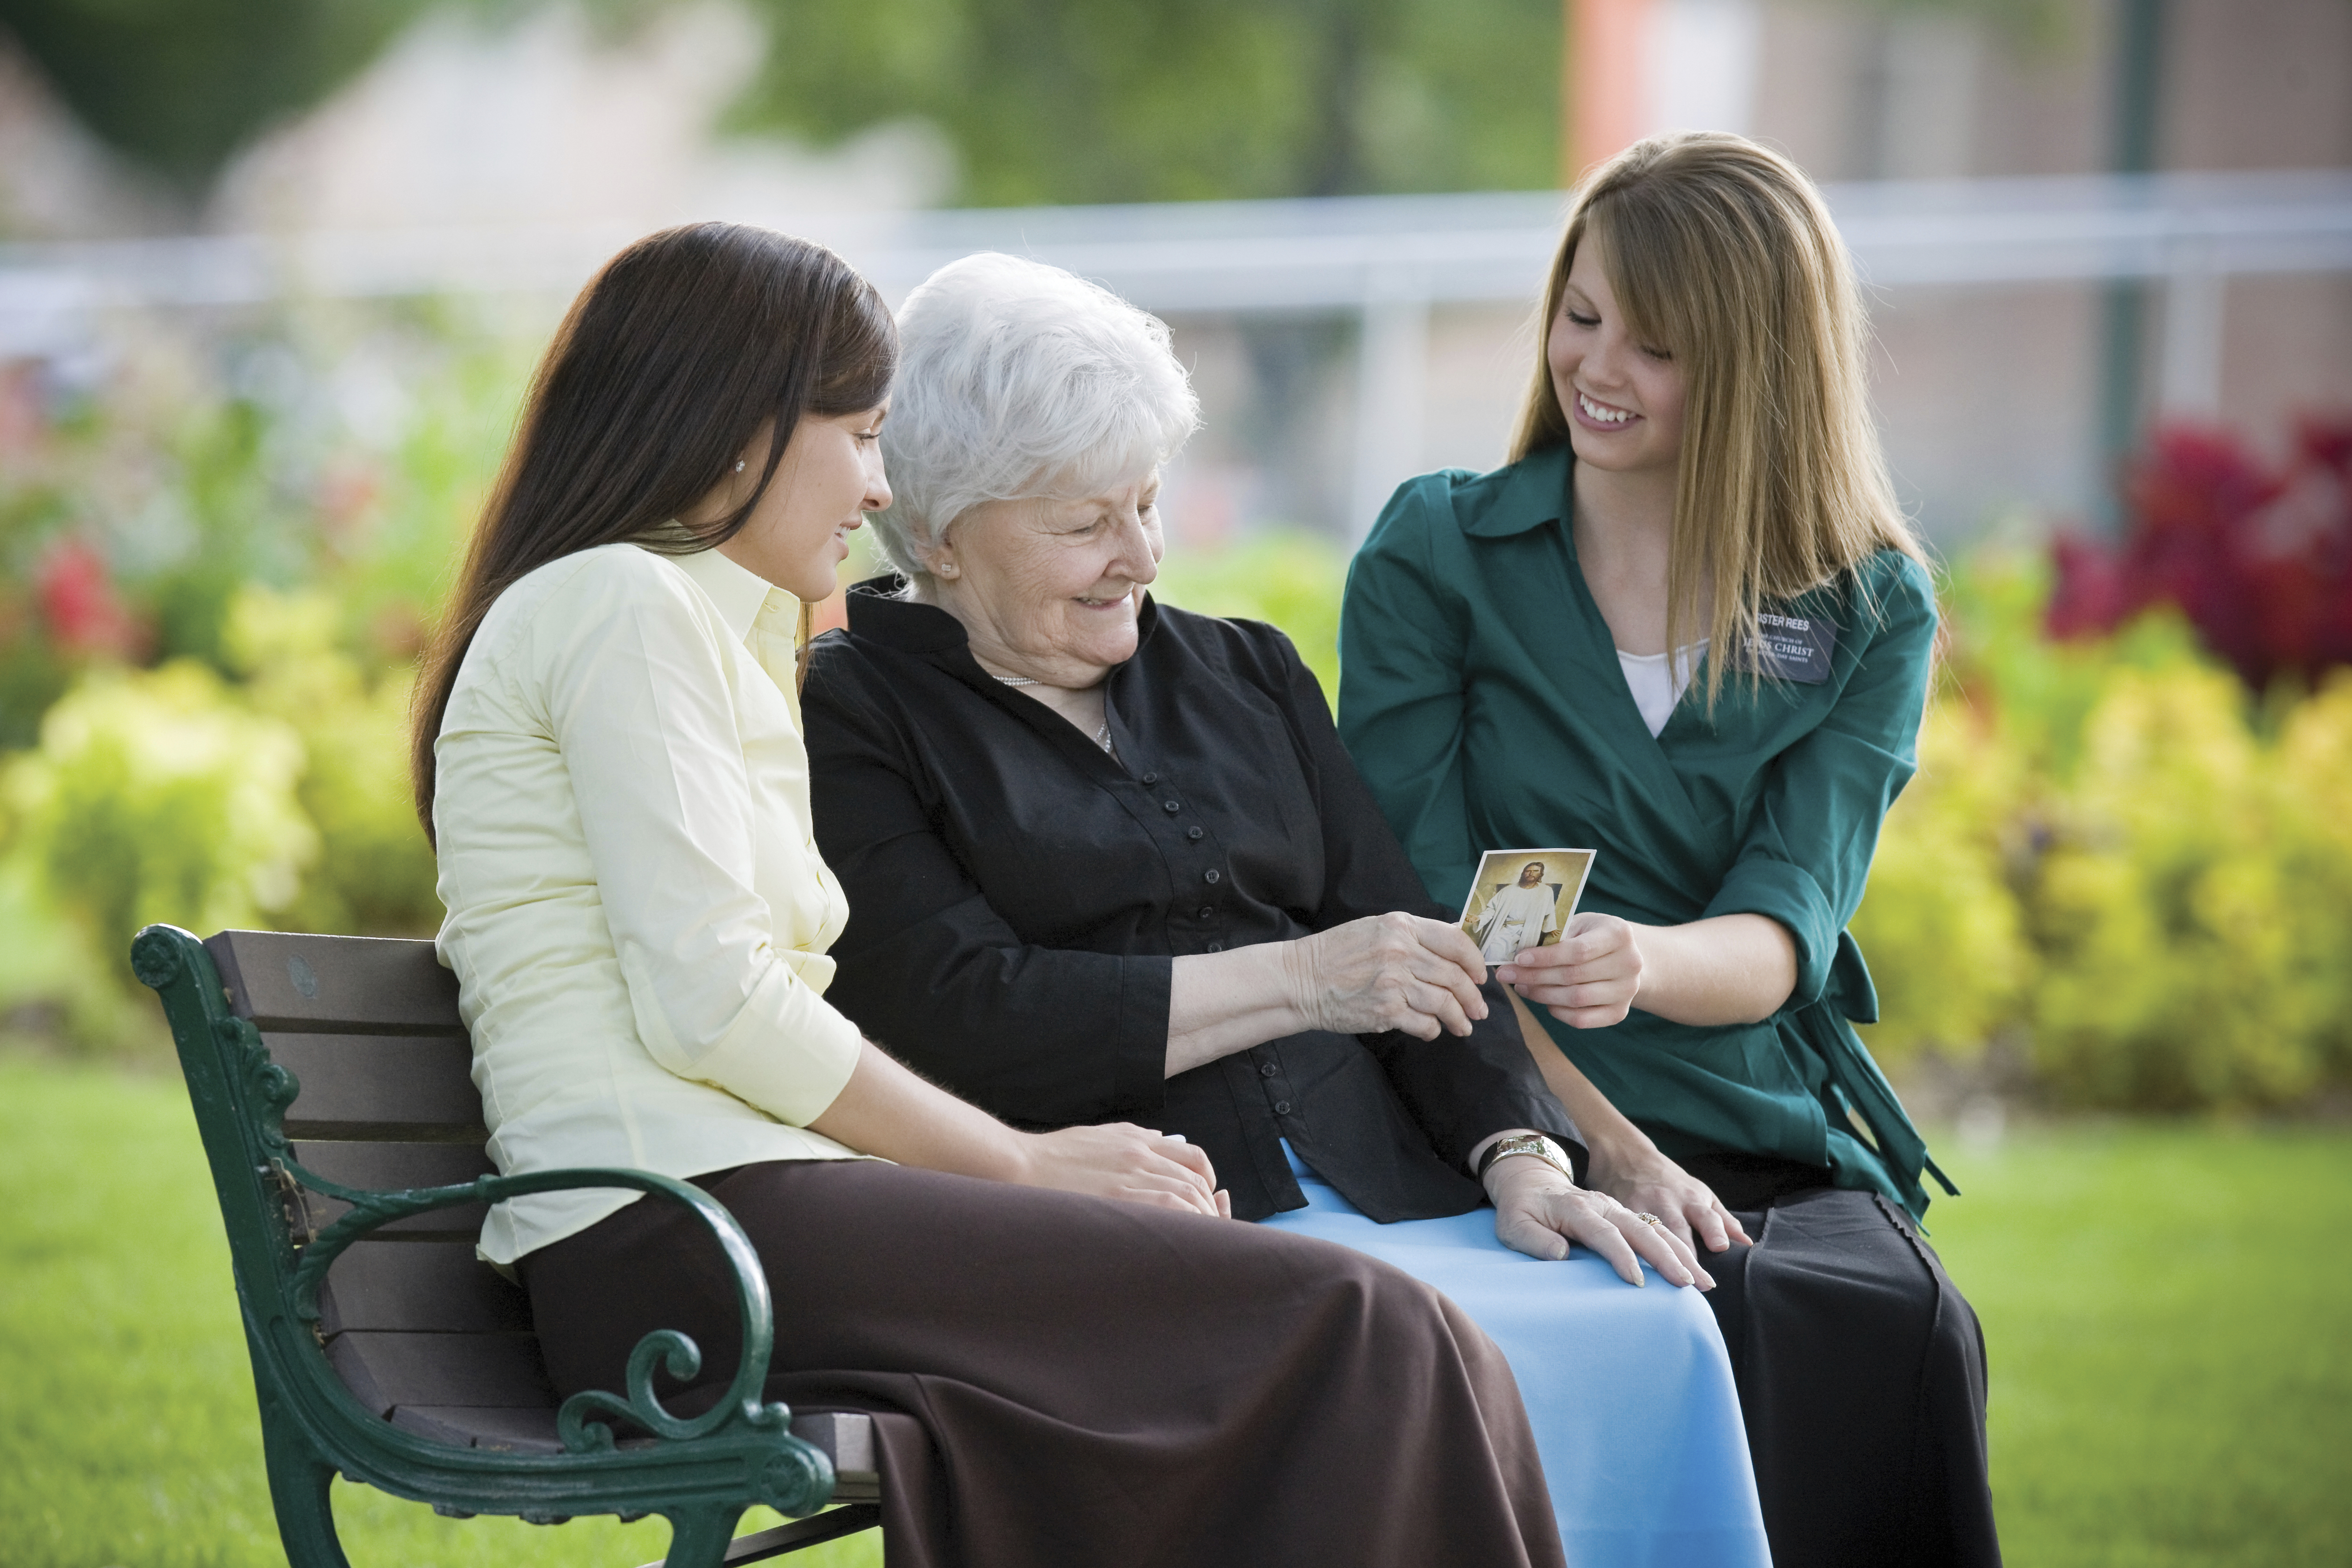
{"type": "Point", "coordinates": [1656, 688]}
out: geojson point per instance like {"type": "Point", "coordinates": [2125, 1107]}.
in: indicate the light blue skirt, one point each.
{"type": "Point", "coordinates": [1629, 1391]}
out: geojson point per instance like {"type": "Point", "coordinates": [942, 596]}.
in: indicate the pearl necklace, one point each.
{"type": "Point", "coordinates": [1102, 736]}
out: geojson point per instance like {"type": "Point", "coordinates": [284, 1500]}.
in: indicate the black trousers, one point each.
{"type": "Point", "coordinates": [1860, 1371]}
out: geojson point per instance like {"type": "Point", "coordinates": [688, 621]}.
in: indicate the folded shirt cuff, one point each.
{"type": "Point", "coordinates": [1139, 1074]}
{"type": "Point", "coordinates": [790, 1052]}
{"type": "Point", "coordinates": [1787, 893]}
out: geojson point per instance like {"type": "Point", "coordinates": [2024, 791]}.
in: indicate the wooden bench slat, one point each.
{"type": "Point", "coordinates": [467, 1371]}
{"type": "Point", "coordinates": [523, 1431]}
{"type": "Point", "coordinates": [847, 1438]}
{"type": "Point", "coordinates": [337, 984]}
{"type": "Point", "coordinates": [382, 1167]}
{"type": "Point", "coordinates": [386, 1165]}
{"type": "Point", "coordinates": [380, 1086]}
{"type": "Point", "coordinates": [433, 1287]}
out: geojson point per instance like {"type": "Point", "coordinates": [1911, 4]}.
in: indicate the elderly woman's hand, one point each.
{"type": "Point", "coordinates": [1537, 1211]}
{"type": "Point", "coordinates": [1388, 971]}
{"type": "Point", "coordinates": [1121, 1159]}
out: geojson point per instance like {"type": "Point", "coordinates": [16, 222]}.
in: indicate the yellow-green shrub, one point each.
{"type": "Point", "coordinates": [2314, 778]}
{"type": "Point", "coordinates": [375, 873]}
{"type": "Point", "coordinates": [174, 795]}
{"type": "Point", "coordinates": [2162, 911]}
{"type": "Point", "coordinates": [158, 795]}
{"type": "Point", "coordinates": [1290, 579]}
{"type": "Point", "coordinates": [1942, 930]}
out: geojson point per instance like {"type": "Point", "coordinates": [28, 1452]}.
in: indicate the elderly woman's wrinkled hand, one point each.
{"type": "Point", "coordinates": [1388, 971]}
{"type": "Point", "coordinates": [1121, 1159]}
{"type": "Point", "coordinates": [1540, 1212]}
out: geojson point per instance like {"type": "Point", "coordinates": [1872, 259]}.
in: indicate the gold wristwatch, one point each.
{"type": "Point", "coordinates": [1530, 1143]}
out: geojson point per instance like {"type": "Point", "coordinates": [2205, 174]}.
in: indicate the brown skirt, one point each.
{"type": "Point", "coordinates": [1059, 1378]}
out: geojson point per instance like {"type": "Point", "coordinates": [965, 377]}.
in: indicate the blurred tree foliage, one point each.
{"type": "Point", "coordinates": [180, 84]}
{"type": "Point", "coordinates": [1101, 101]}
{"type": "Point", "coordinates": [1044, 100]}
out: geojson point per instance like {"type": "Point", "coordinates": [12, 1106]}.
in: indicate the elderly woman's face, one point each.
{"type": "Point", "coordinates": [1051, 589]}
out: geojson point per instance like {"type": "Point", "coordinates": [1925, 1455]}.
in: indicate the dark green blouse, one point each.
{"type": "Point", "coordinates": [1481, 695]}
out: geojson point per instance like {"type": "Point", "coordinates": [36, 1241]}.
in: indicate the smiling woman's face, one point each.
{"type": "Point", "coordinates": [1050, 589]}
{"type": "Point", "coordinates": [1624, 397]}
{"type": "Point", "coordinates": [829, 478]}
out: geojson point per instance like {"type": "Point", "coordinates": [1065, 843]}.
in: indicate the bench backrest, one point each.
{"type": "Point", "coordinates": [416, 1327]}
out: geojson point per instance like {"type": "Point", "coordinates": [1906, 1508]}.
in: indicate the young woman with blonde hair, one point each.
{"type": "Point", "coordinates": [1689, 626]}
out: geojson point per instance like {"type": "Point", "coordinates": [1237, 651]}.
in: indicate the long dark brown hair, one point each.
{"type": "Point", "coordinates": [661, 376]}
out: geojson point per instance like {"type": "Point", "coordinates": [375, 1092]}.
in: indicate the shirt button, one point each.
{"type": "Point", "coordinates": [1213, 874]}
{"type": "Point", "coordinates": [1171, 806]}
{"type": "Point", "coordinates": [1216, 947]}
{"type": "Point", "coordinates": [1282, 1108]}
{"type": "Point", "coordinates": [1207, 910]}
{"type": "Point", "coordinates": [1151, 778]}
{"type": "Point", "coordinates": [1193, 832]}
{"type": "Point", "coordinates": [1267, 1069]}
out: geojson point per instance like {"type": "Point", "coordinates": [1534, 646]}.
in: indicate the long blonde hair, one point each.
{"type": "Point", "coordinates": [1722, 253]}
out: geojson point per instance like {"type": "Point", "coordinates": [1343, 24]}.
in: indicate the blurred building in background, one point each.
{"type": "Point", "coordinates": [2075, 216]}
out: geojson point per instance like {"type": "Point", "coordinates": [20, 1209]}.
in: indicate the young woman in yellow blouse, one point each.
{"type": "Point", "coordinates": [608, 751]}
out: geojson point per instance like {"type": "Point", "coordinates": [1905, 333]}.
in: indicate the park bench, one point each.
{"type": "Point", "coordinates": [332, 1083]}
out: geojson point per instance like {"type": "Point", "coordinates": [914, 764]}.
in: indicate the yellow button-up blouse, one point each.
{"type": "Point", "coordinates": [638, 914]}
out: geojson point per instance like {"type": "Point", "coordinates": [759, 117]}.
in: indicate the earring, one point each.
{"type": "Point", "coordinates": [739, 465]}
{"type": "Point", "coordinates": [946, 568]}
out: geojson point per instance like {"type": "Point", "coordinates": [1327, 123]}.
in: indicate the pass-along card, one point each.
{"type": "Point", "coordinates": [1522, 899]}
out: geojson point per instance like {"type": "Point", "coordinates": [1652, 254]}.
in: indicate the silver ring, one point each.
{"type": "Point", "coordinates": [1651, 1219]}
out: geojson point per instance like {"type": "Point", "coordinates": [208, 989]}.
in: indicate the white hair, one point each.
{"type": "Point", "coordinates": [1019, 380]}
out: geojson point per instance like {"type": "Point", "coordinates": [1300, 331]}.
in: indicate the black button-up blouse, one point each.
{"type": "Point", "coordinates": [1017, 897]}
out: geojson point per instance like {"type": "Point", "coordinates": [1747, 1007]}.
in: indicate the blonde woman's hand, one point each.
{"type": "Point", "coordinates": [1121, 1159]}
{"type": "Point", "coordinates": [1388, 971]}
{"type": "Point", "coordinates": [1588, 979]}
{"type": "Point", "coordinates": [1646, 1181]}
{"type": "Point", "coordinates": [1540, 1212]}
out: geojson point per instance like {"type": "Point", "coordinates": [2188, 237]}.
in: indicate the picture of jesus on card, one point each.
{"type": "Point", "coordinates": [1522, 899]}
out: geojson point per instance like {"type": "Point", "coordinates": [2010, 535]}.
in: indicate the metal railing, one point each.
{"type": "Point", "coordinates": [1387, 259]}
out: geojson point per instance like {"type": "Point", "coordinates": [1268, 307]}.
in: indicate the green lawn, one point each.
{"type": "Point", "coordinates": [2171, 1372]}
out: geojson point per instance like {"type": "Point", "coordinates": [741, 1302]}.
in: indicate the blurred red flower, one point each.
{"type": "Point", "coordinates": [80, 607]}
{"type": "Point", "coordinates": [2259, 561]}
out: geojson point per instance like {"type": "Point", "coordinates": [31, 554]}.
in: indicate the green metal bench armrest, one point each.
{"type": "Point", "coordinates": [674, 1352]}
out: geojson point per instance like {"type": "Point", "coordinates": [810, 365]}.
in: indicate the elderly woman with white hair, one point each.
{"type": "Point", "coordinates": [1107, 861]}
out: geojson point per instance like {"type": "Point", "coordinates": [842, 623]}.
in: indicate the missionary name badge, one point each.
{"type": "Point", "coordinates": [1793, 647]}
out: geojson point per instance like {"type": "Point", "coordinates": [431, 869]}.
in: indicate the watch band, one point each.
{"type": "Point", "coordinates": [1533, 1144]}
